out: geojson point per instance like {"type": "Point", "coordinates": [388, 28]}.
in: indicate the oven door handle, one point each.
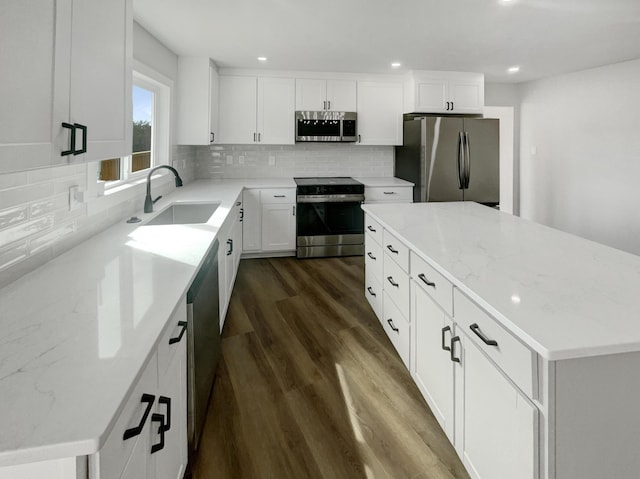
{"type": "Point", "coordinates": [357, 198]}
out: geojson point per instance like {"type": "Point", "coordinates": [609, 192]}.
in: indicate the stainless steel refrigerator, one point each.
{"type": "Point", "coordinates": [451, 158]}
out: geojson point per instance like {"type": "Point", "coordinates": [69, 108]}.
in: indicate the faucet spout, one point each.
{"type": "Point", "coordinates": [148, 201]}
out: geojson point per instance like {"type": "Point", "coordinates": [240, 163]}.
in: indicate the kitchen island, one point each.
{"type": "Point", "coordinates": [525, 341]}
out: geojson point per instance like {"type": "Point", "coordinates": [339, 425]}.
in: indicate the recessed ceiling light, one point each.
{"type": "Point", "coordinates": [262, 59]}
{"type": "Point", "coordinates": [514, 69]}
{"type": "Point", "coordinates": [396, 65]}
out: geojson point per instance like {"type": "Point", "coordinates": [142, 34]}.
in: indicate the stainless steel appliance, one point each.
{"type": "Point", "coordinates": [329, 219]}
{"type": "Point", "coordinates": [326, 126]}
{"type": "Point", "coordinates": [451, 158]}
{"type": "Point", "coordinates": [203, 343]}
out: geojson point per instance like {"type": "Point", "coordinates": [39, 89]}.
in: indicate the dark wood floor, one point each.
{"type": "Point", "coordinates": [310, 387]}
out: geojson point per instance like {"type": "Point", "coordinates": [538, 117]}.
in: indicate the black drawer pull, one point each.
{"type": "Point", "coordinates": [444, 344]}
{"type": "Point", "coordinates": [371, 291]}
{"type": "Point", "coordinates": [426, 281]}
{"type": "Point", "coordinates": [393, 283]}
{"type": "Point", "coordinates": [135, 431]}
{"type": "Point", "coordinates": [454, 340]}
{"type": "Point", "coordinates": [167, 402]}
{"type": "Point", "coordinates": [241, 214]}
{"type": "Point", "coordinates": [390, 321]}
{"type": "Point", "coordinates": [476, 329]}
{"type": "Point", "coordinates": [230, 243]}
{"type": "Point", "coordinates": [390, 248]}
{"type": "Point", "coordinates": [371, 256]}
{"type": "Point", "coordinates": [183, 325]}
{"type": "Point", "coordinates": [84, 139]}
{"type": "Point", "coordinates": [72, 139]}
{"type": "Point", "coordinates": [160, 446]}
{"type": "Point", "coordinates": [279, 196]}
{"type": "Point", "coordinates": [371, 228]}
{"type": "Point", "coordinates": [389, 192]}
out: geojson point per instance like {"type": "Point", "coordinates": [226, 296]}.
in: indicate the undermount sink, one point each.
{"type": "Point", "coordinates": [185, 214]}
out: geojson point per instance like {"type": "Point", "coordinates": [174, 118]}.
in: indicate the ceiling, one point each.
{"type": "Point", "coordinates": [543, 37]}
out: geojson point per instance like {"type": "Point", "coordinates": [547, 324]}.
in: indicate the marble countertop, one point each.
{"type": "Point", "coordinates": [564, 296]}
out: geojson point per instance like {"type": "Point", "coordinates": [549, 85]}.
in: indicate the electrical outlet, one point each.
{"type": "Point", "coordinates": [229, 160]}
{"type": "Point", "coordinates": [272, 160]}
{"type": "Point", "coordinates": [76, 197]}
{"type": "Point", "coordinates": [241, 160]}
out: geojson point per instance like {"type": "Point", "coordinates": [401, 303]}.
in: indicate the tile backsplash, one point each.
{"type": "Point", "coordinates": [308, 159]}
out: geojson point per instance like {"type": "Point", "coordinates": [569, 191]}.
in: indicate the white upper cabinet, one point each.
{"type": "Point", "coordinates": [379, 113]}
{"type": "Point", "coordinates": [197, 119]}
{"type": "Point", "coordinates": [445, 92]}
{"type": "Point", "coordinates": [257, 110]}
{"type": "Point", "coordinates": [320, 95]}
{"type": "Point", "coordinates": [78, 73]}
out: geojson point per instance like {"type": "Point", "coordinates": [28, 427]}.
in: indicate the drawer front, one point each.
{"type": "Point", "coordinates": [397, 328]}
{"type": "Point", "coordinates": [373, 228]}
{"type": "Point", "coordinates": [516, 360]}
{"type": "Point", "coordinates": [373, 257]}
{"type": "Point", "coordinates": [396, 250]}
{"type": "Point", "coordinates": [438, 287]}
{"type": "Point", "coordinates": [174, 329]}
{"type": "Point", "coordinates": [396, 285]}
{"type": "Point", "coordinates": [373, 293]}
{"type": "Point", "coordinates": [395, 194]}
{"type": "Point", "coordinates": [277, 195]}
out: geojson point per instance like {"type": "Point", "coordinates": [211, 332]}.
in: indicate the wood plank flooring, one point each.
{"type": "Point", "coordinates": [309, 386]}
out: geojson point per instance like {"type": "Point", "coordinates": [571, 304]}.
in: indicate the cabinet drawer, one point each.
{"type": "Point", "coordinates": [373, 228]}
{"type": "Point", "coordinates": [278, 195]}
{"type": "Point", "coordinates": [396, 285]}
{"type": "Point", "coordinates": [438, 287]}
{"type": "Point", "coordinates": [397, 328]}
{"type": "Point", "coordinates": [373, 293]}
{"type": "Point", "coordinates": [174, 329]}
{"type": "Point", "coordinates": [516, 360]}
{"type": "Point", "coordinates": [396, 250]}
{"type": "Point", "coordinates": [114, 454]}
{"type": "Point", "coordinates": [396, 194]}
{"type": "Point", "coordinates": [373, 257]}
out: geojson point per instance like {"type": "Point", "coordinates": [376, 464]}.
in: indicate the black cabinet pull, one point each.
{"type": "Point", "coordinates": [183, 325]}
{"type": "Point", "coordinates": [371, 228]}
{"type": "Point", "coordinates": [393, 283]}
{"type": "Point", "coordinates": [371, 256]}
{"type": "Point", "coordinates": [211, 137]}
{"type": "Point", "coordinates": [371, 291]}
{"type": "Point", "coordinates": [390, 321]}
{"type": "Point", "coordinates": [230, 243]}
{"type": "Point", "coordinates": [241, 214]}
{"type": "Point", "coordinates": [447, 106]}
{"type": "Point", "coordinates": [444, 344]}
{"type": "Point", "coordinates": [135, 431]}
{"type": "Point", "coordinates": [294, 210]}
{"type": "Point", "coordinates": [167, 402]}
{"type": "Point", "coordinates": [160, 446]}
{"type": "Point", "coordinates": [359, 139]}
{"type": "Point", "coordinates": [476, 329]}
{"type": "Point", "coordinates": [389, 192]}
{"type": "Point", "coordinates": [390, 248]}
{"type": "Point", "coordinates": [451, 106]}
{"type": "Point", "coordinates": [454, 340]}
{"type": "Point", "coordinates": [279, 196]}
{"type": "Point", "coordinates": [72, 139]}
{"type": "Point", "coordinates": [84, 139]}
{"type": "Point", "coordinates": [238, 203]}
{"type": "Point", "coordinates": [426, 281]}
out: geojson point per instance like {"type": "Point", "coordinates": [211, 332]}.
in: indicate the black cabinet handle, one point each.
{"type": "Point", "coordinates": [371, 256]}
{"type": "Point", "coordinates": [230, 243]}
{"type": "Point", "coordinates": [135, 431]}
{"type": "Point", "coordinates": [177, 339]}
{"type": "Point", "coordinates": [389, 192]}
{"type": "Point", "coordinates": [211, 137]}
{"type": "Point", "coordinates": [451, 106]}
{"type": "Point", "coordinates": [359, 139]}
{"type": "Point", "coordinates": [254, 137]}
{"type": "Point", "coordinates": [294, 210]}
{"type": "Point", "coordinates": [279, 196]}
{"type": "Point", "coordinates": [84, 139]}
{"type": "Point", "coordinates": [371, 291]}
{"type": "Point", "coordinates": [238, 203]}
{"type": "Point", "coordinates": [72, 139]}
{"type": "Point", "coordinates": [454, 340]}
{"type": "Point", "coordinates": [259, 137]}
{"type": "Point", "coordinates": [390, 248]}
{"type": "Point", "coordinates": [160, 446]}
{"type": "Point", "coordinates": [426, 281]}
{"type": "Point", "coordinates": [371, 228]}
{"type": "Point", "coordinates": [476, 329]}
{"type": "Point", "coordinates": [167, 402]}
{"type": "Point", "coordinates": [390, 321]}
{"type": "Point", "coordinates": [393, 283]}
{"type": "Point", "coordinates": [444, 344]}
{"type": "Point", "coordinates": [241, 214]}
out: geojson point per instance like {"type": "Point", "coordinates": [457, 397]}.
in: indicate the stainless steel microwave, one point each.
{"type": "Point", "coordinates": [326, 126]}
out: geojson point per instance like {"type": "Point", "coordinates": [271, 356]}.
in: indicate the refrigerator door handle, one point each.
{"type": "Point", "coordinates": [467, 166]}
{"type": "Point", "coordinates": [461, 181]}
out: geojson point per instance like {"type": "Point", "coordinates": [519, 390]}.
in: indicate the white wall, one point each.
{"type": "Point", "coordinates": [580, 153]}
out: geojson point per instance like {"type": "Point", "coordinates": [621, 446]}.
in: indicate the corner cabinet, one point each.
{"type": "Point", "coordinates": [380, 113]}
{"type": "Point", "coordinates": [256, 110]}
{"type": "Point", "coordinates": [269, 224]}
{"type": "Point", "coordinates": [445, 92]}
{"type": "Point", "coordinates": [72, 100]}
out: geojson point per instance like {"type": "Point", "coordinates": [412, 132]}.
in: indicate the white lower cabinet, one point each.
{"type": "Point", "coordinates": [269, 220]}
{"type": "Point", "coordinates": [278, 222]}
{"type": "Point", "coordinates": [229, 251]}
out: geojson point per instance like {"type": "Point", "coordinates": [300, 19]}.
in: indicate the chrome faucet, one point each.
{"type": "Point", "coordinates": [148, 202]}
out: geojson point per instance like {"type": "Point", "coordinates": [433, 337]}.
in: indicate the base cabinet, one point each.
{"type": "Point", "coordinates": [269, 220]}
{"type": "Point", "coordinates": [229, 251]}
{"type": "Point", "coordinates": [278, 221]}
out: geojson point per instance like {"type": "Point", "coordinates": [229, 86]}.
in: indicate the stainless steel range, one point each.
{"type": "Point", "coordinates": [329, 220]}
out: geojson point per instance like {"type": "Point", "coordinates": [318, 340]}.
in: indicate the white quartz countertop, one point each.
{"type": "Point", "coordinates": [388, 181]}
{"type": "Point", "coordinates": [563, 296]}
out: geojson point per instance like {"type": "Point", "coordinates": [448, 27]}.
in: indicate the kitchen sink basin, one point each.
{"type": "Point", "coordinates": [185, 214]}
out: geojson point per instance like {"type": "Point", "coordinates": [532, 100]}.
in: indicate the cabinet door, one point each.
{"type": "Point", "coordinates": [431, 95]}
{"type": "Point", "coordinates": [238, 100]}
{"type": "Point", "coordinates": [214, 98]}
{"type": "Point", "coordinates": [500, 424]}
{"type": "Point", "coordinates": [34, 98]}
{"type": "Point", "coordinates": [276, 111]}
{"type": "Point", "coordinates": [467, 95]}
{"type": "Point", "coordinates": [252, 220]}
{"type": "Point", "coordinates": [101, 54]}
{"type": "Point", "coordinates": [140, 465]}
{"type": "Point", "coordinates": [195, 91]}
{"type": "Point", "coordinates": [311, 95]}
{"type": "Point", "coordinates": [223, 250]}
{"type": "Point", "coordinates": [278, 227]}
{"type": "Point", "coordinates": [379, 113]}
{"type": "Point", "coordinates": [433, 368]}
{"type": "Point", "coordinates": [341, 95]}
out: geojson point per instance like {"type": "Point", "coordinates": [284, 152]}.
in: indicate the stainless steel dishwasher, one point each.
{"type": "Point", "coordinates": [203, 346]}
